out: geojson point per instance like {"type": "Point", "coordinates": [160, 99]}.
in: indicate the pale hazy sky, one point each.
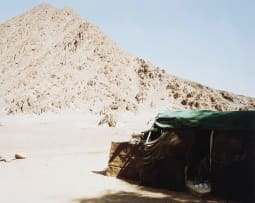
{"type": "Point", "coordinates": [207, 41]}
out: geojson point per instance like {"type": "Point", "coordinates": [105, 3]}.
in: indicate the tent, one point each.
{"type": "Point", "coordinates": [204, 151]}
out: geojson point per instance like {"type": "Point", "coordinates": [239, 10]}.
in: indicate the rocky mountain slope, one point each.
{"type": "Point", "coordinates": [51, 59]}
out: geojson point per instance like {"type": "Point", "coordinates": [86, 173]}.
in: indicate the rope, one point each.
{"type": "Point", "coordinates": [148, 138]}
{"type": "Point", "coordinates": [211, 146]}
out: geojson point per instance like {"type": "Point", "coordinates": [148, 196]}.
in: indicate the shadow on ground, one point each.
{"type": "Point", "coordinates": [142, 196]}
{"type": "Point", "coordinates": [131, 197]}
{"type": "Point", "coordinates": [147, 195]}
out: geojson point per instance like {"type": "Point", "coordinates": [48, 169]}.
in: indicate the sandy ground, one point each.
{"type": "Point", "coordinates": [63, 164]}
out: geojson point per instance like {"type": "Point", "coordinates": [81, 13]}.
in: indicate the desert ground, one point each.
{"type": "Point", "coordinates": [65, 161]}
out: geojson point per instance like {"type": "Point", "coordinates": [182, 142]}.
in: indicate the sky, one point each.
{"type": "Point", "coordinates": [208, 41]}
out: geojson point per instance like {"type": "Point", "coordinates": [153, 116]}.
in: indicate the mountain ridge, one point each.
{"type": "Point", "coordinates": [52, 59]}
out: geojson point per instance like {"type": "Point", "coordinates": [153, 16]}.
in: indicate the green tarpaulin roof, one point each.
{"type": "Point", "coordinates": [203, 119]}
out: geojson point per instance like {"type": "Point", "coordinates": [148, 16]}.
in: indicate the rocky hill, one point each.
{"type": "Point", "coordinates": [51, 59]}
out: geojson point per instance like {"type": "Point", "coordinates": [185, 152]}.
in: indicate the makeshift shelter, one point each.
{"type": "Point", "coordinates": [204, 151]}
